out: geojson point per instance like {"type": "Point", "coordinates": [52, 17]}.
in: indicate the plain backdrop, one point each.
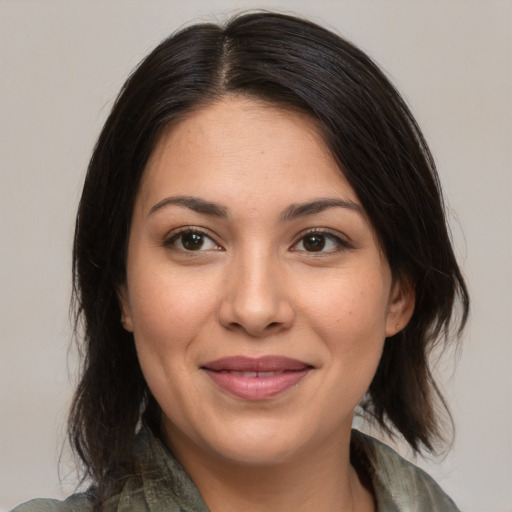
{"type": "Point", "coordinates": [62, 63]}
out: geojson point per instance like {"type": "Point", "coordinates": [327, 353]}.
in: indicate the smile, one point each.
{"type": "Point", "coordinates": [260, 375]}
{"type": "Point", "coordinates": [256, 379]}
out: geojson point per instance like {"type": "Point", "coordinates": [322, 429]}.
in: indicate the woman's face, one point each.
{"type": "Point", "coordinates": [256, 290]}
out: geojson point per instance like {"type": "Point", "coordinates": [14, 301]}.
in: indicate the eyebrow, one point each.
{"type": "Point", "coordinates": [295, 211]}
{"type": "Point", "coordinates": [193, 203]}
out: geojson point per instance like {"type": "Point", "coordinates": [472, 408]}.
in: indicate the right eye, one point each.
{"type": "Point", "coordinates": [191, 240]}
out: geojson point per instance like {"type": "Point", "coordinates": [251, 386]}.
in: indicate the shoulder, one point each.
{"type": "Point", "coordinates": [400, 485]}
{"type": "Point", "coordinates": [75, 503]}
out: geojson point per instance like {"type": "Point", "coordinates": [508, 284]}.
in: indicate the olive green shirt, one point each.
{"type": "Point", "coordinates": [162, 485]}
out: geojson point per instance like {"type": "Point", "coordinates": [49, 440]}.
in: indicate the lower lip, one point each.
{"type": "Point", "coordinates": [256, 388]}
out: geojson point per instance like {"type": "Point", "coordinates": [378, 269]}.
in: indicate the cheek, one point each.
{"type": "Point", "coordinates": [167, 320]}
{"type": "Point", "coordinates": [349, 315]}
{"type": "Point", "coordinates": [347, 306]}
{"type": "Point", "coordinates": [168, 315]}
{"type": "Point", "coordinates": [168, 308]}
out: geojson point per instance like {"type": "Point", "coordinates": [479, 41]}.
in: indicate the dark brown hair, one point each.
{"type": "Point", "coordinates": [370, 131]}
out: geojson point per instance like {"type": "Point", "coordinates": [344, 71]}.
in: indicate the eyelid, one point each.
{"type": "Point", "coordinates": [340, 238]}
{"type": "Point", "coordinates": [172, 236]}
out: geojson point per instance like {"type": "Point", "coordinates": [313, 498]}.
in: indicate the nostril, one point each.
{"type": "Point", "coordinates": [255, 317]}
{"type": "Point", "coordinates": [254, 331]}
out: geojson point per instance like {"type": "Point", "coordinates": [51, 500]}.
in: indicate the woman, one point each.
{"type": "Point", "coordinates": [260, 249]}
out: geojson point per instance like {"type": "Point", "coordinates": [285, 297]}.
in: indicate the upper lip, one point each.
{"type": "Point", "coordinates": [259, 364]}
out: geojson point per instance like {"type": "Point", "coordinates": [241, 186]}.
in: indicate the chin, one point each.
{"type": "Point", "coordinates": [260, 450]}
{"type": "Point", "coordinates": [266, 441]}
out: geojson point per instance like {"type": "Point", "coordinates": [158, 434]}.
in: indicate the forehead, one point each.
{"type": "Point", "coordinates": [242, 147]}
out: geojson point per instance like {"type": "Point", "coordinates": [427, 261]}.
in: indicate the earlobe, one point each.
{"type": "Point", "coordinates": [401, 306]}
{"type": "Point", "coordinates": [124, 306]}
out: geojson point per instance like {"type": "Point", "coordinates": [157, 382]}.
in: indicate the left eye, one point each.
{"type": "Point", "coordinates": [191, 241]}
{"type": "Point", "coordinates": [319, 242]}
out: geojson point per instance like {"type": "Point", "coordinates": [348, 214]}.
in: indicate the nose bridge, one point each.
{"type": "Point", "coordinates": [256, 299]}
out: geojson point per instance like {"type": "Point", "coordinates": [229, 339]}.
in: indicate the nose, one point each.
{"type": "Point", "coordinates": [256, 298]}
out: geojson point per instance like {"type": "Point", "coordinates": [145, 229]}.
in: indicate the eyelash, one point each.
{"type": "Point", "coordinates": [324, 237]}
{"type": "Point", "coordinates": [327, 236]}
{"type": "Point", "coordinates": [175, 236]}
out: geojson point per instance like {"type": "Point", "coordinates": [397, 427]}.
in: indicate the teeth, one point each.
{"type": "Point", "coordinates": [252, 375]}
{"type": "Point", "coordinates": [267, 374]}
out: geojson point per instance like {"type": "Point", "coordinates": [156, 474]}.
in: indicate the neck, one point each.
{"type": "Point", "coordinates": [321, 479]}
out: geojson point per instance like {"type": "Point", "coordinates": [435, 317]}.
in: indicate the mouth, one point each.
{"type": "Point", "coordinates": [256, 378]}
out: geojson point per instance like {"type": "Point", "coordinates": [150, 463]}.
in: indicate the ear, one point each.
{"type": "Point", "coordinates": [124, 305]}
{"type": "Point", "coordinates": [401, 305]}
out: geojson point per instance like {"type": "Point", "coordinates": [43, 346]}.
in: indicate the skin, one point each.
{"type": "Point", "coordinates": [255, 287]}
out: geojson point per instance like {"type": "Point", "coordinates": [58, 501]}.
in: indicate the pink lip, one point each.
{"type": "Point", "coordinates": [256, 379]}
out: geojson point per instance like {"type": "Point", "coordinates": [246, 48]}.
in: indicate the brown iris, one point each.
{"type": "Point", "coordinates": [192, 241]}
{"type": "Point", "coordinates": [314, 243]}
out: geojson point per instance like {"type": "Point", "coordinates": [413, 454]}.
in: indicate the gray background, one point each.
{"type": "Point", "coordinates": [63, 61]}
